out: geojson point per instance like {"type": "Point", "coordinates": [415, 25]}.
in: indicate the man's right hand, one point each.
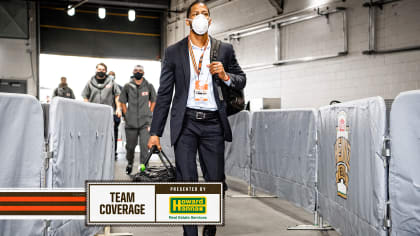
{"type": "Point", "coordinates": [154, 141]}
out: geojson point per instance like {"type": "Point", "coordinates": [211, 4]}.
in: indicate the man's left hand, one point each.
{"type": "Point", "coordinates": [216, 67]}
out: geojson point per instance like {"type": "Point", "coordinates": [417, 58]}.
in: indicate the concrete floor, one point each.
{"type": "Point", "coordinates": [243, 216]}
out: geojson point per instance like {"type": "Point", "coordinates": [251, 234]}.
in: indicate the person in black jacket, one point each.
{"type": "Point", "coordinates": [63, 90]}
{"type": "Point", "coordinates": [198, 114]}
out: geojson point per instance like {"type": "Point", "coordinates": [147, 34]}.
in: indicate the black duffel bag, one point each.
{"type": "Point", "coordinates": [166, 173]}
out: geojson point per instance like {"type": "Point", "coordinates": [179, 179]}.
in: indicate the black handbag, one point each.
{"type": "Point", "coordinates": [235, 99]}
{"type": "Point", "coordinates": [167, 173]}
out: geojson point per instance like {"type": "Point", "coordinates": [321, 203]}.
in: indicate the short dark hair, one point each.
{"type": "Point", "coordinates": [194, 3]}
{"type": "Point", "coordinates": [102, 64]}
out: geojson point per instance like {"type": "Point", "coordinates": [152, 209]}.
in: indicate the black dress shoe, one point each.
{"type": "Point", "coordinates": [209, 230]}
{"type": "Point", "coordinates": [129, 169]}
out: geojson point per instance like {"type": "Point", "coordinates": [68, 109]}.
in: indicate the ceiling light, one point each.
{"type": "Point", "coordinates": [101, 13]}
{"type": "Point", "coordinates": [71, 11]}
{"type": "Point", "coordinates": [131, 15]}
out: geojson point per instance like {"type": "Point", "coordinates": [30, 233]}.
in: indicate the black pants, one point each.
{"type": "Point", "coordinates": [206, 136]}
{"type": "Point", "coordinates": [117, 122]}
{"type": "Point", "coordinates": [133, 135]}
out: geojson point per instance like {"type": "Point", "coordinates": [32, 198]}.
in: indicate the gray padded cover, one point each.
{"type": "Point", "coordinates": [72, 228]}
{"type": "Point", "coordinates": [404, 173]}
{"type": "Point", "coordinates": [81, 137]}
{"type": "Point", "coordinates": [21, 141]}
{"type": "Point", "coordinates": [238, 152]}
{"type": "Point", "coordinates": [363, 211]}
{"type": "Point", "coordinates": [284, 154]}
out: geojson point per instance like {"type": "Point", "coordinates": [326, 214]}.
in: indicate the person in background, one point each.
{"type": "Point", "coordinates": [63, 90]}
{"type": "Point", "coordinates": [117, 120]}
{"type": "Point", "coordinates": [141, 97]}
{"type": "Point", "coordinates": [102, 89]}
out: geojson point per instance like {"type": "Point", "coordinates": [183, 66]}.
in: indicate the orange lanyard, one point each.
{"type": "Point", "coordinates": [200, 63]}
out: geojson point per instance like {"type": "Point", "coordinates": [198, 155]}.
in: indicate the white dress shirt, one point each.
{"type": "Point", "coordinates": [205, 75]}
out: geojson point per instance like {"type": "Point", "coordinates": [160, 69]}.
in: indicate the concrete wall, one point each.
{"type": "Point", "coordinates": [18, 57]}
{"type": "Point", "coordinates": [313, 84]}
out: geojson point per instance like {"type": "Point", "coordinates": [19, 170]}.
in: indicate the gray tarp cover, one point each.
{"type": "Point", "coordinates": [21, 139]}
{"type": "Point", "coordinates": [363, 211]}
{"type": "Point", "coordinates": [284, 154]}
{"type": "Point", "coordinates": [404, 173]}
{"type": "Point", "coordinates": [81, 137]}
{"type": "Point", "coordinates": [238, 152]}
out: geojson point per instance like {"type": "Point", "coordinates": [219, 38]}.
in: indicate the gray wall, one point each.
{"type": "Point", "coordinates": [18, 57]}
{"type": "Point", "coordinates": [313, 84]}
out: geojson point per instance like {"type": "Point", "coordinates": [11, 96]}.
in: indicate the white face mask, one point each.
{"type": "Point", "coordinates": [200, 24]}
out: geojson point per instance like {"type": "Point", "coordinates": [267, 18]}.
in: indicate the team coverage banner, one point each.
{"type": "Point", "coordinates": [119, 203]}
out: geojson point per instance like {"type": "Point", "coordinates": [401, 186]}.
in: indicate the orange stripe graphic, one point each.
{"type": "Point", "coordinates": [42, 208]}
{"type": "Point", "coordinates": [42, 199]}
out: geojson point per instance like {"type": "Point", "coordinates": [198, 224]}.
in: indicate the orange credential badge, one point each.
{"type": "Point", "coordinates": [201, 91]}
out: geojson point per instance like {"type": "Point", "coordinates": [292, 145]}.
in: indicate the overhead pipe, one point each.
{"type": "Point", "coordinates": [392, 50]}
{"type": "Point", "coordinates": [277, 39]}
{"type": "Point", "coordinates": [378, 3]}
{"type": "Point", "coordinates": [307, 59]}
{"type": "Point", "coordinates": [276, 18]}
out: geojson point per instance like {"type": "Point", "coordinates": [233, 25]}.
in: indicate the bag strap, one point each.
{"type": "Point", "coordinates": [214, 54]}
{"type": "Point", "coordinates": [162, 156]}
{"type": "Point", "coordinates": [214, 49]}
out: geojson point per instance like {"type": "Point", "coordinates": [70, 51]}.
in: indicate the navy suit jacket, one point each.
{"type": "Point", "coordinates": [175, 73]}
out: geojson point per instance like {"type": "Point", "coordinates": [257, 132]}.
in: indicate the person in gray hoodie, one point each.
{"type": "Point", "coordinates": [102, 89]}
{"type": "Point", "coordinates": [141, 98]}
{"type": "Point", "coordinates": [63, 90]}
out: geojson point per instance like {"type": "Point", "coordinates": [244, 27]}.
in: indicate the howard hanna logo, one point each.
{"type": "Point", "coordinates": [342, 155]}
{"type": "Point", "coordinates": [187, 205]}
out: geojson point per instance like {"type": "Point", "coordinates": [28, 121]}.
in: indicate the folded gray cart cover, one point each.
{"type": "Point", "coordinates": [351, 172]}
{"type": "Point", "coordinates": [81, 137]}
{"type": "Point", "coordinates": [21, 142]}
{"type": "Point", "coordinates": [284, 154]}
{"type": "Point", "coordinates": [238, 152]}
{"type": "Point", "coordinates": [404, 176]}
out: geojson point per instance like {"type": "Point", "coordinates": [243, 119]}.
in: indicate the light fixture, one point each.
{"type": "Point", "coordinates": [131, 15]}
{"type": "Point", "coordinates": [71, 11]}
{"type": "Point", "coordinates": [101, 12]}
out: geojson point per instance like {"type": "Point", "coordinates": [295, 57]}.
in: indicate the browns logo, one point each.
{"type": "Point", "coordinates": [342, 155]}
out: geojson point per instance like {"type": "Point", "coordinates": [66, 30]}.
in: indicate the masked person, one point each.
{"type": "Point", "coordinates": [117, 120]}
{"type": "Point", "coordinates": [102, 89]}
{"type": "Point", "coordinates": [63, 90]}
{"type": "Point", "coordinates": [198, 114]}
{"type": "Point", "coordinates": [140, 96]}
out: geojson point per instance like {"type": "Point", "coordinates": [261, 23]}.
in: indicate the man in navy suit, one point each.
{"type": "Point", "coordinates": [198, 114]}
